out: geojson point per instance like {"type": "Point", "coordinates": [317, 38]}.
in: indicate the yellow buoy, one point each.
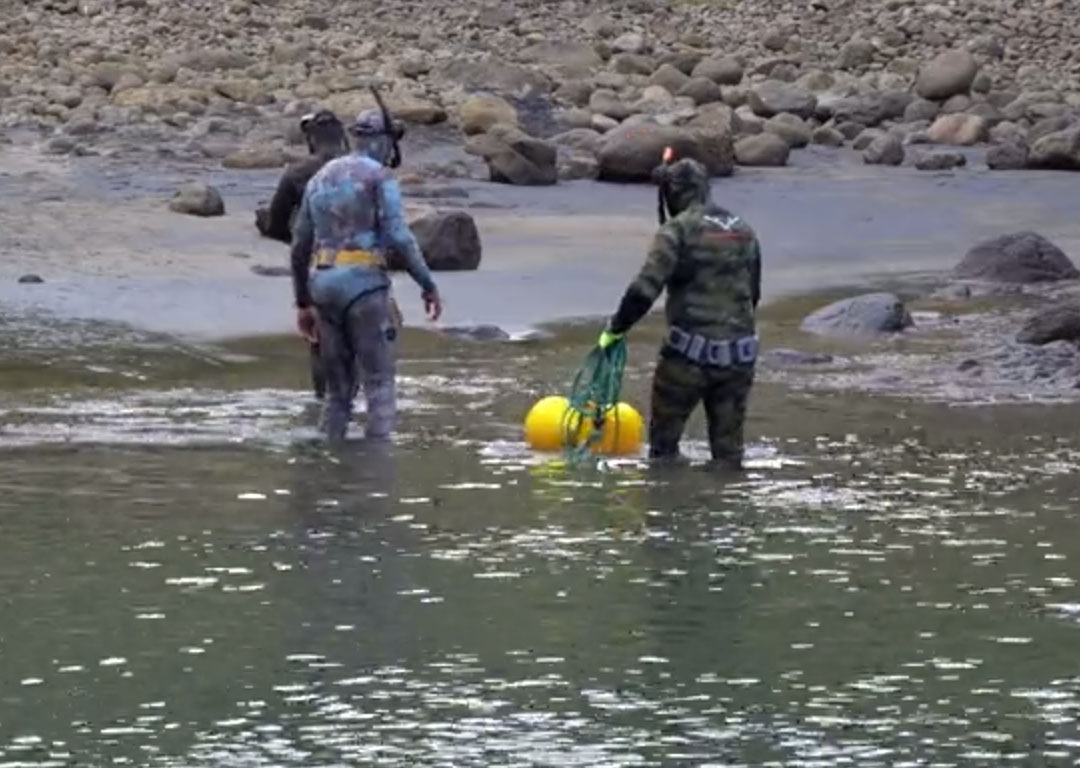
{"type": "Point", "coordinates": [552, 424]}
{"type": "Point", "coordinates": [546, 423]}
{"type": "Point", "coordinates": [623, 432]}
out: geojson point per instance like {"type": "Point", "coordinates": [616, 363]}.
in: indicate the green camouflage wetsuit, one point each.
{"type": "Point", "coordinates": [710, 263]}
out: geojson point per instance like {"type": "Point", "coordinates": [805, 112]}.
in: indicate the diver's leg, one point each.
{"type": "Point", "coordinates": [374, 337]}
{"type": "Point", "coordinates": [676, 390]}
{"type": "Point", "coordinates": [339, 367]}
{"type": "Point", "coordinates": [725, 410]}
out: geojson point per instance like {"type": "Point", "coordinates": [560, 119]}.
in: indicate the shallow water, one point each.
{"type": "Point", "coordinates": [189, 580]}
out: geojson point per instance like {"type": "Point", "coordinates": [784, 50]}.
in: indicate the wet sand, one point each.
{"type": "Point", "coordinates": [108, 250]}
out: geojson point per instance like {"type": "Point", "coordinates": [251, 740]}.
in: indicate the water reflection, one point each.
{"type": "Point", "coordinates": [879, 588]}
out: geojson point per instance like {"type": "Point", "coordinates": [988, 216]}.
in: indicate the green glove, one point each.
{"type": "Point", "coordinates": [607, 338]}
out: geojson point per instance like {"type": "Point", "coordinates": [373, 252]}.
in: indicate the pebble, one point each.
{"type": "Point", "coordinates": [969, 58]}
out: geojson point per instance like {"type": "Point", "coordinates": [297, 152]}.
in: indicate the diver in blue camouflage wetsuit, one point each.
{"type": "Point", "coordinates": [350, 215]}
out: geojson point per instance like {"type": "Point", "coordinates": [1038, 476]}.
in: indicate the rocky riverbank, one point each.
{"type": "Point", "coordinates": [1003, 326]}
{"type": "Point", "coordinates": [543, 92]}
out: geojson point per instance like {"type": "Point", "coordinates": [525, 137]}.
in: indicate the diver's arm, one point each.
{"type": "Point", "coordinates": [286, 197]}
{"type": "Point", "coordinates": [395, 230]}
{"type": "Point", "coordinates": [650, 281]}
{"type": "Point", "coordinates": [303, 241]}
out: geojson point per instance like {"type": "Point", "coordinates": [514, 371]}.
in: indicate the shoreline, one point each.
{"type": "Point", "coordinates": [109, 251]}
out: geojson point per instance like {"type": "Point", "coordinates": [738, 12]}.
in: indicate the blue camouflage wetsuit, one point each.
{"type": "Point", "coordinates": [354, 204]}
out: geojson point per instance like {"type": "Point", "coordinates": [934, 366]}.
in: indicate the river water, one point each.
{"type": "Point", "coordinates": [188, 579]}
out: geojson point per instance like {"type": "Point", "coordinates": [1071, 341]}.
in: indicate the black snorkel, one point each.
{"type": "Point", "coordinates": [394, 132]}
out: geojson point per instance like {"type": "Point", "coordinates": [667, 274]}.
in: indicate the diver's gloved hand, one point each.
{"type": "Point", "coordinates": [607, 338]}
{"type": "Point", "coordinates": [307, 323]}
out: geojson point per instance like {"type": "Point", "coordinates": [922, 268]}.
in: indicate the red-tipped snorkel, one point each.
{"type": "Point", "coordinates": [666, 159]}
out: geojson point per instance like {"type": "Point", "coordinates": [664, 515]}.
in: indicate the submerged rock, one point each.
{"type": "Point", "coordinates": [938, 161]}
{"type": "Point", "coordinates": [481, 332]}
{"type": "Point", "coordinates": [197, 200]}
{"type": "Point", "coordinates": [1057, 323]}
{"type": "Point", "coordinates": [1021, 257]}
{"type": "Point", "coordinates": [866, 315]}
{"type": "Point", "coordinates": [793, 357]}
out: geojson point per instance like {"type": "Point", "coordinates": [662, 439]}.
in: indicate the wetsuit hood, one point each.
{"type": "Point", "coordinates": [376, 135]}
{"type": "Point", "coordinates": [682, 184]}
{"type": "Point", "coordinates": [324, 133]}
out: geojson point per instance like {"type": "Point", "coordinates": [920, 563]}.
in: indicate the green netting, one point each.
{"type": "Point", "coordinates": [593, 395]}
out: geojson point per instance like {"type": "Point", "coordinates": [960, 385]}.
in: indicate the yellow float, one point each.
{"type": "Point", "coordinates": [551, 424]}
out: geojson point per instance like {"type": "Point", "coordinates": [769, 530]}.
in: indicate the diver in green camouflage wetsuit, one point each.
{"type": "Point", "coordinates": [709, 260]}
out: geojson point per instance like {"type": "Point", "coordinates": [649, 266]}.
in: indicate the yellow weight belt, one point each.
{"type": "Point", "coordinates": [348, 259]}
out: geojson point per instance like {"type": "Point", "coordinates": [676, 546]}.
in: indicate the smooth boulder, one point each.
{"type": "Point", "coordinates": [197, 200]}
{"type": "Point", "coordinates": [1056, 152]}
{"type": "Point", "coordinates": [449, 241]}
{"type": "Point", "coordinates": [514, 157]}
{"type": "Point", "coordinates": [669, 78]}
{"type": "Point", "coordinates": [629, 153]}
{"type": "Point", "coordinates": [790, 128]}
{"type": "Point", "coordinates": [946, 75]}
{"type": "Point", "coordinates": [1060, 322]}
{"type": "Point", "coordinates": [763, 150]}
{"type": "Point", "coordinates": [867, 315]}
{"type": "Point", "coordinates": [959, 130]}
{"type": "Point", "coordinates": [938, 161]}
{"type": "Point", "coordinates": [702, 91]}
{"type": "Point", "coordinates": [827, 136]}
{"type": "Point", "coordinates": [1021, 257]}
{"type": "Point", "coordinates": [773, 97]}
{"type": "Point", "coordinates": [722, 70]}
{"type": "Point", "coordinates": [886, 149]}
{"type": "Point", "coordinates": [255, 158]}
{"type": "Point", "coordinates": [483, 111]}
{"type": "Point", "coordinates": [1009, 156]}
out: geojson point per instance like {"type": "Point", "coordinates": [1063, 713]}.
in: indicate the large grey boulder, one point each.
{"type": "Point", "coordinates": [1008, 156]}
{"type": "Point", "coordinates": [449, 240]}
{"type": "Point", "coordinates": [773, 97]}
{"type": "Point", "coordinates": [886, 149]}
{"type": "Point", "coordinates": [514, 157]}
{"type": "Point", "coordinates": [629, 153]}
{"type": "Point", "coordinates": [197, 200]}
{"type": "Point", "coordinates": [1021, 257]}
{"type": "Point", "coordinates": [722, 70]}
{"type": "Point", "coordinates": [1060, 322]}
{"type": "Point", "coordinates": [866, 315]}
{"type": "Point", "coordinates": [764, 150]}
{"type": "Point", "coordinates": [946, 75]}
{"type": "Point", "coordinates": [1057, 151]}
